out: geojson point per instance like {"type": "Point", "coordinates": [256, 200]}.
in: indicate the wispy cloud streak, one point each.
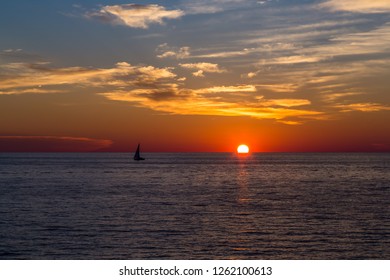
{"type": "Point", "coordinates": [358, 6]}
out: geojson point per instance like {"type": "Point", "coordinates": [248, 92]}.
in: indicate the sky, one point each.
{"type": "Point", "coordinates": [195, 76]}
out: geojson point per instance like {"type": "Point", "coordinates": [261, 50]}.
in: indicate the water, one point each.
{"type": "Point", "coordinates": [194, 206]}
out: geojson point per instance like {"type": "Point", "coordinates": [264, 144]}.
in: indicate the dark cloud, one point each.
{"type": "Point", "coordinates": [51, 144]}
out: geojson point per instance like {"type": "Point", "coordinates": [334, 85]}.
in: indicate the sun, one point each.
{"type": "Point", "coordinates": [243, 149]}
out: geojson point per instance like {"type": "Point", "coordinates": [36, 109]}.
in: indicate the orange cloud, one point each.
{"type": "Point", "coordinates": [287, 102]}
{"type": "Point", "coordinates": [197, 102]}
{"type": "Point", "coordinates": [160, 89]}
{"type": "Point", "coordinates": [227, 89]}
{"type": "Point", "coordinates": [134, 15]}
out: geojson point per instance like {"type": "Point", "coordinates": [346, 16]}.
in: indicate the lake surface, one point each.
{"type": "Point", "coordinates": [194, 206]}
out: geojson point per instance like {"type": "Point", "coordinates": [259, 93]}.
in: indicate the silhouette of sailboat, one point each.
{"type": "Point", "coordinates": [137, 156]}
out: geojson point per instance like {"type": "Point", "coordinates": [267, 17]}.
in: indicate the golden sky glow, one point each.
{"type": "Point", "coordinates": [197, 75]}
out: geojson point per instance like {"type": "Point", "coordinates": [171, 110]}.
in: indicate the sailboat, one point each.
{"type": "Point", "coordinates": [137, 156]}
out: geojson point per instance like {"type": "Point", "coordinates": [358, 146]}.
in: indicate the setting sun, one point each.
{"type": "Point", "coordinates": [243, 149]}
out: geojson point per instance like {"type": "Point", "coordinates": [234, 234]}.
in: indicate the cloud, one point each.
{"type": "Point", "coordinates": [52, 144]}
{"type": "Point", "coordinates": [226, 54]}
{"type": "Point", "coordinates": [263, 2]}
{"type": "Point", "coordinates": [11, 51]}
{"type": "Point", "coordinates": [362, 107]}
{"type": "Point", "coordinates": [215, 6]}
{"type": "Point", "coordinates": [251, 75]}
{"type": "Point", "coordinates": [294, 59]}
{"type": "Point", "coordinates": [160, 89]}
{"type": "Point", "coordinates": [18, 55]}
{"type": "Point", "coordinates": [228, 89]}
{"type": "Point", "coordinates": [318, 41]}
{"type": "Point", "coordinates": [151, 87]}
{"type": "Point", "coordinates": [291, 122]}
{"type": "Point", "coordinates": [200, 105]}
{"type": "Point", "coordinates": [31, 91]}
{"type": "Point", "coordinates": [331, 59]}
{"type": "Point", "coordinates": [280, 87]}
{"type": "Point", "coordinates": [199, 102]}
{"type": "Point", "coordinates": [203, 67]}
{"type": "Point", "coordinates": [287, 102]}
{"type": "Point", "coordinates": [134, 15]}
{"type": "Point", "coordinates": [370, 42]}
{"type": "Point", "coordinates": [165, 51]}
{"type": "Point", "coordinates": [336, 96]}
{"type": "Point", "coordinates": [358, 6]}
{"type": "Point", "coordinates": [25, 77]}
